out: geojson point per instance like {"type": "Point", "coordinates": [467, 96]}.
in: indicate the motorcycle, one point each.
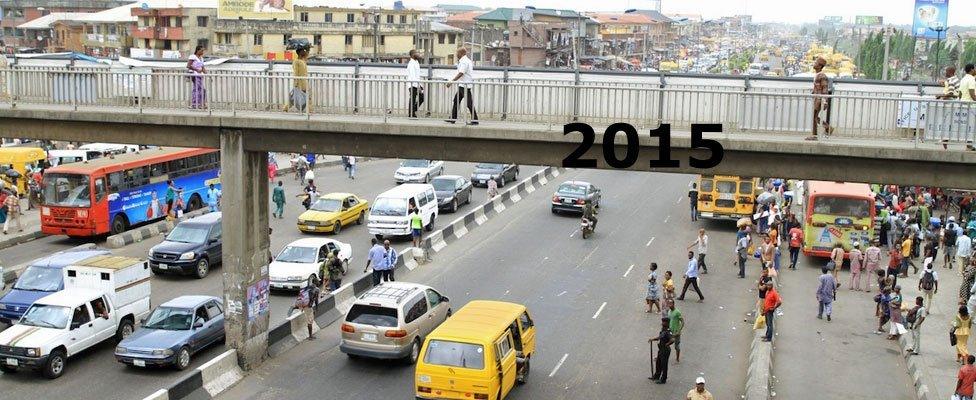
{"type": "Point", "coordinates": [586, 227]}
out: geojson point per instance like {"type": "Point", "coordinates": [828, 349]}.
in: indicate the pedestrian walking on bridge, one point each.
{"type": "Point", "coordinates": [465, 68]}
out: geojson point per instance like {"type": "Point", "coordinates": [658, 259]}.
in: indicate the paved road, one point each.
{"type": "Point", "coordinates": [530, 256]}
{"type": "Point", "coordinates": [95, 373]}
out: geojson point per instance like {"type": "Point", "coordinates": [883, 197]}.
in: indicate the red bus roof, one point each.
{"type": "Point", "coordinates": [128, 160]}
{"type": "Point", "coordinates": [842, 189]}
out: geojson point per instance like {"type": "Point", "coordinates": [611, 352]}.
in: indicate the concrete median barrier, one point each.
{"type": "Point", "coordinates": [759, 375]}
{"type": "Point", "coordinates": [148, 231]}
{"type": "Point", "coordinates": [206, 381]}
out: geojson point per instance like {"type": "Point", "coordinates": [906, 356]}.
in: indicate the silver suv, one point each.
{"type": "Point", "coordinates": [391, 320]}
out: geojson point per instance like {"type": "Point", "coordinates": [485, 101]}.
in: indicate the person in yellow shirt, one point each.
{"type": "Point", "coordinates": [298, 97]}
{"type": "Point", "coordinates": [668, 286]}
{"type": "Point", "coordinates": [906, 256]}
{"type": "Point", "coordinates": [699, 392]}
{"type": "Point", "coordinates": [961, 326]}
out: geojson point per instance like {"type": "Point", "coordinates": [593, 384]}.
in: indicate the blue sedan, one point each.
{"type": "Point", "coordinates": [174, 332]}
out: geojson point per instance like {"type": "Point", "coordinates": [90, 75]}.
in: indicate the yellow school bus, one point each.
{"type": "Point", "coordinates": [726, 196]}
{"type": "Point", "coordinates": [479, 353]}
{"type": "Point", "coordinates": [20, 159]}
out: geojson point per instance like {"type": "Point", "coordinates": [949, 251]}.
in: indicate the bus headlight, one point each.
{"type": "Point", "coordinates": [46, 211]}
{"type": "Point", "coordinates": [82, 213]}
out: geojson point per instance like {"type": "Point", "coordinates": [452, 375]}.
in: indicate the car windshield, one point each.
{"type": "Point", "coordinates": [188, 234]}
{"type": "Point", "coordinates": [856, 208]}
{"type": "Point", "coordinates": [455, 354]}
{"type": "Point", "coordinates": [46, 316]}
{"type": "Point", "coordinates": [169, 319]}
{"type": "Point", "coordinates": [42, 279]}
{"type": "Point", "coordinates": [389, 206]}
{"type": "Point", "coordinates": [415, 163]}
{"type": "Point", "coordinates": [71, 190]}
{"type": "Point", "coordinates": [490, 166]}
{"type": "Point", "coordinates": [372, 315]}
{"type": "Point", "coordinates": [327, 205]}
{"type": "Point", "coordinates": [443, 185]}
{"type": "Point", "coordinates": [570, 188]}
{"type": "Point", "coordinates": [297, 254]}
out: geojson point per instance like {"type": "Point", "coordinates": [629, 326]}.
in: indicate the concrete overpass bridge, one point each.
{"type": "Point", "coordinates": [885, 132]}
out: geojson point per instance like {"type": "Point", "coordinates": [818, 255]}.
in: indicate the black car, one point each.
{"type": "Point", "coordinates": [572, 195]}
{"type": "Point", "coordinates": [501, 173]}
{"type": "Point", "coordinates": [191, 248]}
{"type": "Point", "coordinates": [451, 191]}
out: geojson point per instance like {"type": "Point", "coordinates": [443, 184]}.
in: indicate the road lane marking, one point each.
{"type": "Point", "coordinates": [558, 364]}
{"type": "Point", "coordinates": [666, 219]}
{"type": "Point", "coordinates": [628, 270]}
{"type": "Point", "coordinates": [574, 233]}
{"type": "Point", "coordinates": [599, 310]}
{"type": "Point", "coordinates": [564, 292]}
{"type": "Point", "coordinates": [506, 293]}
{"type": "Point", "coordinates": [649, 242]}
{"type": "Point", "coordinates": [587, 256]}
{"type": "Point", "coordinates": [679, 199]}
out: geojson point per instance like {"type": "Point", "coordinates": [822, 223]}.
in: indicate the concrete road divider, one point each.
{"type": "Point", "coordinates": [206, 381]}
{"type": "Point", "coordinates": [148, 231]}
{"type": "Point", "coordinates": [760, 372]}
{"type": "Point", "coordinates": [918, 373]}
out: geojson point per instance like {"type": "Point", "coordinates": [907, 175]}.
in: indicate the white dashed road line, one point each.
{"type": "Point", "coordinates": [649, 242]}
{"type": "Point", "coordinates": [558, 364]}
{"type": "Point", "coordinates": [560, 294]}
{"type": "Point", "coordinates": [599, 310]}
{"type": "Point", "coordinates": [628, 270]}
{"type": "Point", "coordinates": [679, 199]}
{"type": "Point", "coordinates": [666, 219]}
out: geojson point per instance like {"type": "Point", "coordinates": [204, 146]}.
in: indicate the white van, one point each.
{"type": "Point", "coordinates": [114, 148]}
{"type": "Point", "coordinates": [103, 297]}
{"type": "Point", "coordinates": [61, 157]}
{"type": "Point", "coordinates": [388, 214]}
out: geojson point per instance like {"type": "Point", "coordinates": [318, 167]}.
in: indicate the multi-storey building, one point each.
{"type": "Point", "coordinates": [536, 37]}
{"type": "Point", "coordinates": [19, 12]}
{"type": "Point", "coordinates": [172, 28]}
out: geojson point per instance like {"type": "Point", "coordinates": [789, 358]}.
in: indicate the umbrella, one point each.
{"type": "Point", "coordinates": [12, 173]}
{"type": "Point", "coordinates": [766, 197]}
{"type": "Point", "coordinates": [744, 221]}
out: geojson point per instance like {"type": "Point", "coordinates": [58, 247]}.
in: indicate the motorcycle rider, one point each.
{"type": "Point", "coordinates": [589, 213]}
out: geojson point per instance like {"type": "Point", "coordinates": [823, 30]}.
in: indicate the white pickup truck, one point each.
{"type": "Point", "coordinates": [102, 299]}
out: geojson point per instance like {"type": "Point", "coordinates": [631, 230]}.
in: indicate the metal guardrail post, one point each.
{"type": "Point", "coordinates": [427, 91]}
{"type": "Point", "coordinates": [505, 93]}
{"type": "Point", "coordinates": [355, 88]}
{"type": "Point", "coordinates": [660, 98]}
{"type": "Point", "coordinates": [576, 94]}
{"type": "Point", "coordinates": [739, 121]}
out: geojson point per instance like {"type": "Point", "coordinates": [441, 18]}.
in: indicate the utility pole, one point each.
{"type": "Point", "coordinates": [376, 37]}
{"type": "Point", "coordinates": [938, 48]}
{"type": "Point", "coordinates": [887, 44]}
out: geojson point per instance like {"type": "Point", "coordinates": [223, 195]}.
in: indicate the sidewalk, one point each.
{"type": "Point", "coordinates": [31, 221]}
{"type": "Point", "coordinates": [935, 365]}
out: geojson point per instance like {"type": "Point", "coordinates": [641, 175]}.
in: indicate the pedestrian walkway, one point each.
{"type": "Point", "coordinates": [936, 360]}
{"type": "Point", "coordinates": [31, 221]}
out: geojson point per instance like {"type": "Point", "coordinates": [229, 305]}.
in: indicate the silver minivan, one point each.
{"type": "Point", "coordinates": [390, 321]}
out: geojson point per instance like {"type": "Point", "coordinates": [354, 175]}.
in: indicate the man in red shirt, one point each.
{"type": "Point", "coordinates": [966, 378]}
{"type": "Point", "coordinates": [771, 303]}
{"type": "Point", "coordinates": [796, 241]}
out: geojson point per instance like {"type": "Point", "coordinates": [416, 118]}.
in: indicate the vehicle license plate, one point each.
{"type": "Point", "coordinates": [568, 201]}
{"type": "Point", "coordinates": [12, 362]}
{"type": "Point", "coordinates": [139, 363]}
{"type": "Point", "coordinates": [726, 196]}
{"type": "Point", "coordinates": [163, 266]}
{"type": "Point", "coordinates": [369, 337]}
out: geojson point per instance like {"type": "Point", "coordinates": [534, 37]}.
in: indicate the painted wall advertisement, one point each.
{"type": "Point", "coordinates": [929, 14]}
{"type": "Point", "coordinates": [281, 10]}
{"type": "Point", "coordinates": [257, 299]}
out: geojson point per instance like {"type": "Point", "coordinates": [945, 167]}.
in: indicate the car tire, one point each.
{"type": "Point", "coordinates": [119, 224]}
{"type": "Point", "coordinates": [126, 327]}
{"type": "Point", "coordinates": [414, 353]}
{"type": "Point", "coordinates": [195, 203]}
{"type": "Point", "coordinates": [522, 378]}
{"type": "Point", "coordinates": [427, 178]}
{"type": "Point", "coordinates": [454, 205]}
{"type": "Point", "coordinates": [449, 312]}
{"type": "Point", "coordinates": [182, 360]}
{"type": "Point", "coordinates": [55, 365]}
{"type": "Point", "coordinates": [202, 269]}
{"type": "Point", "coordinates": [362, 218]}
{"type": "Point", "coordinates": [336, 228]}
{"type": "Point", "coordinates": [352, 356]}
{"type": "Point", "coordinates": [501, 182]}
{"type": "Point", "coordinates": [430, 226]}
{"type": "Point", "coordinates": [553, 209]}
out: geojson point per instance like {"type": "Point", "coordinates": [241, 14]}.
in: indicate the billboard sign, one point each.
{"type": "Point", "coordinates": [281, 10]}
{"type": "Point", "coordinates": [929, 14]}
{"type": "Point", "coordinates": [868, 20]}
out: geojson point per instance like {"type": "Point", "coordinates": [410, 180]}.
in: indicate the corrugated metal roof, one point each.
{"type": "Point", "coordinates": [117, 14]}
{"type": "Point", "coordinates": [621, 18]}
{"type": "Point", "coordinates": [439, 27]}
{"type": "Point", "coordinates": [514, 14]}
{"type": "Point", "coordinates": [46, 21]}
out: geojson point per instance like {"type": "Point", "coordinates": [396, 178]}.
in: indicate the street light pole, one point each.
{"type": "Point", "coordinates": [938, 48]}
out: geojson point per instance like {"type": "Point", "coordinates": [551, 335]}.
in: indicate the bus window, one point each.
{"type": "Point", "coordinates": [857, 208]}
{"type": "Point", "coordinates": [99, 189]}
{"type": "Point", "coordinates": [706, 185]}
{"type": "Point", "coordinates": [114, 181]}
{"type": "Point", "coordinates": [745, 187]}
{"type": "Point", "coordinates": [67, 190]}
{"type": "Point", "coordinates": [725, 187]}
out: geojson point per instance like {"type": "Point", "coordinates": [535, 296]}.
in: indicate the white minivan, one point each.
{"type": "Point", "coordinates": [388, 214]}
{"type": "Point", "coordinates": [61, 157]}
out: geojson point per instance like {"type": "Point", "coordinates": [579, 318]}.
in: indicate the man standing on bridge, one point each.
{"type": "Point", "coordinates": [967, 92]}
{"type": "Point", "coordinates": [820, 87]}
{"type": "Point", "coordinates": [416, 88]}
{"type": "Point", "coordinates": [691, 278]}
{"type": "Point", "coordinates": [465, 68]}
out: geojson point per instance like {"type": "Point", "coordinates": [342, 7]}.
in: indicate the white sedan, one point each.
{"type": "Point", "coordinates": [300, 260]}
{"type": "Point", "coordinates": [418, 171]}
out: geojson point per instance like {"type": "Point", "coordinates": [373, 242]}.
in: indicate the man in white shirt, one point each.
{"type": "Point", "coordinates": [967, 92]}
{"type": "Point", "coordinates": [465, 68]}
{"type": "Point", "coordinates": [352, 167]}
{"type": "Point", "coordinates": [416, 88]}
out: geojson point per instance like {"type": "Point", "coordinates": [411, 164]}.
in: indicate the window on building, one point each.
{"type": "Point", "coordinates": [285, 38]}
{"type": "Point", "coordinates": [389, 19]}
{"type": "Point", "coordinates": [258, 39]}
{"type": "Point", "coordinates": [403, 19]}
{"type": "Point", "coordinates": [382, 40]}
{"type": "Point", "coordinates": [328, 17]}
{"type": "Point", "coordinates": [452, 38]}
{"type": "Point", "coordinates": [350, 17]}
{"type": "Point", "coordinates": [348, 40]}
{"type": "Point", "coordinates": [145, 43]}
{"type": "Point", "coordinates": [303, 16]}
{"type": "Point", "coordinates": [165, 21]}
{"type": "Point", "coordinates": [225, 38]}
{"type": "Point", "coordinates": [205, 43]}
{"type": "Point", "coordinates": [112, 30]}
{"type": "Point", "coordinates": [317, 40]}
{"type": "Point", "coordinates": [202, 22]}
{"type": "Point", "coordinates": [440, 38]}
{"type": "Point", "coordinates": [179, 22]}
{"type": "Point", "coordinates": [167, 45]}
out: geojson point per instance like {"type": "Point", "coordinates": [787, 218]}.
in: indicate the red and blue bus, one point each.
{"type": "Point", "coordinates": [111, 194]}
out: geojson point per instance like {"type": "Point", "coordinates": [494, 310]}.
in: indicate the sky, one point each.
{"type": "Point", "coordinates": [961, 12]}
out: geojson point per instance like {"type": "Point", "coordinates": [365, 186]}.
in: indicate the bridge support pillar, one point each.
{"type": "Point", "coordinates": [246, 248]}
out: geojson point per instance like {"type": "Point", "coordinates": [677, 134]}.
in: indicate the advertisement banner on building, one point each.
{"type": "Point", "coordinates": [868, 20]}
{"type": "Point", "coordinates": [834, 19]}
{"type": "Point", "coordinates": [281, 10]}
{"type": "Point", "coordinates": [929, 17]}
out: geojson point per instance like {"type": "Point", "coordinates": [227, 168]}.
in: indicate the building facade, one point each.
{"type": "Point", "coordinates": [18, 12]}
{"type": "Point", "coordinates": [535, 37]}
{"type": "Point", "coordinates": [172, 32]}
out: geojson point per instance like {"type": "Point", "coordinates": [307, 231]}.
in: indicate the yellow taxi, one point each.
{"type": "Point", "coordinates": [333, 211]}
{"type": "Point", "coordinates": [481, 352]}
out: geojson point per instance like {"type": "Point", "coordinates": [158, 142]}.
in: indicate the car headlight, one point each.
{"type": "Point", "coordinates": [402, 222]}
{"type": "Point", "coordinates": [187, 256]}
{"type": "Point", "coordinates": [121, 350]}
{"type": "Point", "coordinates": [34, 352]}
{"type": "Point", "coordinates": [164, 352]}
{"type": "Point", "coordinates": [423, 378]}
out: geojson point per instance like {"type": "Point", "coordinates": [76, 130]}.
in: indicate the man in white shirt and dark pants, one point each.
{"type": "Point", "coordinates": [464, 70]}
{"type": "Point", "coordinates": [416, 88]}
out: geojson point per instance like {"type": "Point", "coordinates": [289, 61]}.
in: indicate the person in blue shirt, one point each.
{"type": "Point", "coordinates": [691, 278]}
{"type": "Point", "coordinates": [390, 259]}
{"type": "Point", "coordinates": [213, 198]}
{"type": "Point", "coordinates": [376, 258]}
